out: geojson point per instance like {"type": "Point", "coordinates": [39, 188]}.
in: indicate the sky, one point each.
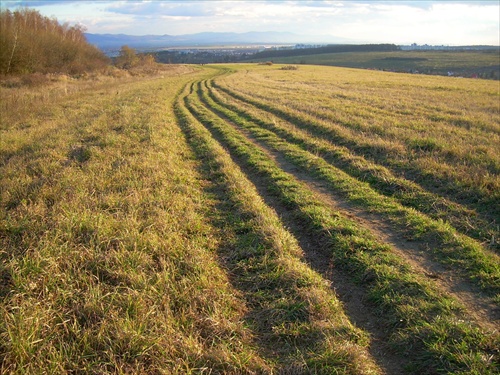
{"type": "Point", "coordinates": [450, 22]}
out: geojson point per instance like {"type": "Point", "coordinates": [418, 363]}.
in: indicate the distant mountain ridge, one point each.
{"type": "Point", "coordinates": [111, 41]}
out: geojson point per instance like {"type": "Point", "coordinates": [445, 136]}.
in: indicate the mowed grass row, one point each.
{"type": "Point", "coordinates": [296, 319]}
{"type": "Point", "coordinates": [379, 177]}
{"type": "Point", "coordinates": [417, 105]}
{"type": "Point", "coordinates": [441, 133]}
{"type": "Point", "coordinates": [130, 242]}
{"type": "Point", "coordinates": [425, 326]}
{"type": "Point", "coordinates": [108, 263]}
{"type": "Point", "coordinates": [465, 255]}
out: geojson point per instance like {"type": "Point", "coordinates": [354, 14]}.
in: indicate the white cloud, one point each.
{"type": "Point", "coordinates": [433, 22]}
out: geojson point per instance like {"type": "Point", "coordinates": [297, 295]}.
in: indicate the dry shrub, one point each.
{"type": "Point", "coordinates": [118, 73]}
{"type": "Point", "coordinates": [35, 79]}
{"type": "Point", "coordinates": [10, 82]}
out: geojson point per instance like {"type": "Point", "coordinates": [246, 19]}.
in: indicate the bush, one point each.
{"type": "Point", "coordinates": [127, 58]}
{"type": "Point", "coordinates": [136, 64]}
{"type": "Point", "coordinates": [35, 79]}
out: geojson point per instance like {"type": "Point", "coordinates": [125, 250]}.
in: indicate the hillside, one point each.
{"type": "Point", "coordinates": [246, 219]}
{"type": "Point", "coordinates": [472, 64]}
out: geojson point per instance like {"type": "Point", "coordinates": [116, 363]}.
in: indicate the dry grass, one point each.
{"type": "Point", "coordinates": [107, 262]}
{"type": "Point", "coordinates": [441, 133]}
{"type": "Point", "coordinates": [134, 237]}
{"type": "Point", "coordinates": [414, 312]}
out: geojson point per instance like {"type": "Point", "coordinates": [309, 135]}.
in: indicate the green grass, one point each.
{"type": "Point", "coordinates": [485, 64]}
{"type": "Point", "coordinates": [448, 245]}
{"type": "Point", "coordinates": [406, 302]}
{"type": "Point", "coordinates": [293, 313]}
{"type": "Point", "coordinates": [383, 117]}
{"type": "Point", "coordinates": [163, 224]}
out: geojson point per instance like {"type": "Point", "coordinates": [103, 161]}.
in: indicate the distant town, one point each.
{"type": "Point", "coordinates": [427, 47]}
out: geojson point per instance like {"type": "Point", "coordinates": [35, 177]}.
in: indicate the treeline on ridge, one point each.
{"type": "Point", "coordinates": [32, 43]}
{"type": "Point", "coordinates": [333, 48]}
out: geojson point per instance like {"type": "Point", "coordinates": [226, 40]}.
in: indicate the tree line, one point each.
{"type": "Point", "coordinates": [32, 43]}
{"type": "Point", "coordinates": [334, 48]}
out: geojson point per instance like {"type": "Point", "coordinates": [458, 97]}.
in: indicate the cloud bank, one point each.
{"type": "Point", "coordinates": [364, 21]}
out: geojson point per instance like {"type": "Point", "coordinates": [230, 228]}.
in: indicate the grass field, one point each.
{"type": "Point", "coordinates": [245, 219]}
{"type": "Point", "coordinates": [482, 64]}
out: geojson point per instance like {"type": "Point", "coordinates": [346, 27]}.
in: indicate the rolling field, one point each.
{"type": "Point", "coordinates": [245, 219]}
{"type": "Point", "coordinates": [483, 64]}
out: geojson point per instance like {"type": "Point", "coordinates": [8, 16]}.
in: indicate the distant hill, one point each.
{"type": "Point", "coordinates": [112, 41]}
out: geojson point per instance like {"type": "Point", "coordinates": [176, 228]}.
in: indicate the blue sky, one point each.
{"type": "Point", "coordinates": [451, 22]}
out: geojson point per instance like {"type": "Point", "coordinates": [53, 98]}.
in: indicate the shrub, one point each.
{"type": "Point", "coordinates": [35, 79]}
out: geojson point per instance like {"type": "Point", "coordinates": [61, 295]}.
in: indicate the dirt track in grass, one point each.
{"type": "Point", "coordinates": [477, 307]}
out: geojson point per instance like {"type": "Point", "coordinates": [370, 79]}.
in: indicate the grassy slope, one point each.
{"type": "Point", "coordinates": [440, 133]}
{"type": "Point", "coordinates": [118, 247]}
{"type": "Point", "coordinates": [99, 273]}
{"type": "Point", "coordinates": [432, 62]}
{"type": "Point", "coordinates": [360, 255]}
{"type": "Point", "coordinates": [132, 242]}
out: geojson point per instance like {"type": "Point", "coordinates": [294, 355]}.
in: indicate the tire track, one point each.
{"type": "Point", "coordinates": [380, 178]}
{"type": "Point", "coordinates": [365, 275]}
{"type": "Point", "coordinates": [442, 239]}
{"type": "Point", "coordinates": [271, 279]}
{"type": "Point", "coordinates": [377, 154]}
{"type": "Point", "coordinates": [485, 313]}
{"type": "Point", "coordinates": [315, 255]}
